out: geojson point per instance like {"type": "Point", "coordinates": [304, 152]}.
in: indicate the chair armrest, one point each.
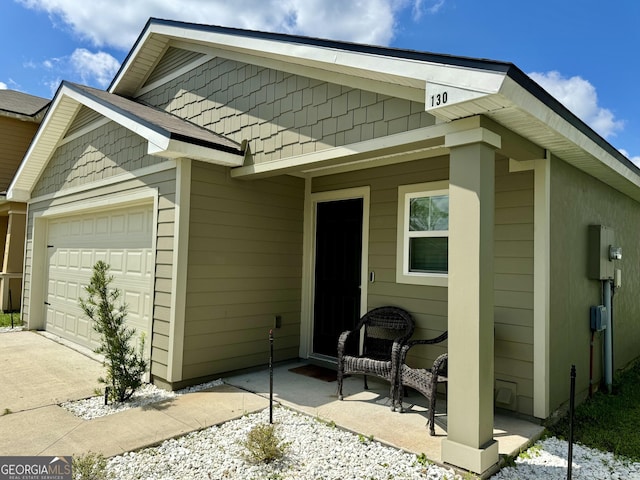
{"type": "Point", "coordinates": [425, 341]}
{"type": "Point", "coordinates": [440, 365]}
{"type": "Point", "coordinates": [342, 341]}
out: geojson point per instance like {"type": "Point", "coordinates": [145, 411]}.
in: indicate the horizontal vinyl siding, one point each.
{"type": "Point", "coordinates": [427, 304]}
{"type": "Point", "coordinates": [513, 282]}
{"type": "Point", "coordinates": [513, 264]}
{"type": "Point", "coordinates": [245, 267]}
{"type": "Point", "coordinates": [164, 182]}
{"type": "Point", "coordinates": [14, 142]}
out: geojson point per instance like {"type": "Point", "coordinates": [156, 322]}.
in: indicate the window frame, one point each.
{"type": "Point", "coordinates": [405, 194]}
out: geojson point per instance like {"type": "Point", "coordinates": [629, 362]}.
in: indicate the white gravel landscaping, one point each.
{"type": "Point", "coordinates": [316, 451]}
{"type": "Point", "coordinates": [17, 328]}
{"type": "Point", "coordinates": [320, 451]}
{"type": "Point", "coordinates": [94, 407]}
{"type": "Point", "coordinates": [547, 459]}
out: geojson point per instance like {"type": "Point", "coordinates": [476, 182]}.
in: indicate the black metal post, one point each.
{"type": "Point", "coordinates": [270, 376]}
{"type": "Point", "coordinates": [572, 399]}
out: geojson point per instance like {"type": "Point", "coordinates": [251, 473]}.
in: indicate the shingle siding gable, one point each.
{"type": "Point", "coordinates": [282, 114]}
{"type": "Point", "coordinates": [99, 154]}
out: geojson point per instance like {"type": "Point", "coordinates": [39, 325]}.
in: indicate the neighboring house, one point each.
{"type": "Point", "coordinates": [20, 116]}
{"type": "Point", "coordinates": [232, 177]}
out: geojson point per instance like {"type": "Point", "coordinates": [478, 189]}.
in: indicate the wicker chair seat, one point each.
{"type": "Point", "coordinates": [423, 380]}
{"type": "Point", "coordinates": [386, 329]}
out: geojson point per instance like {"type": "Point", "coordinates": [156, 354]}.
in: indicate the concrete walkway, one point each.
{"type": "Point", "coordinates": [367, 412]}
{"type": "Point", "coordinates": [37, 374]}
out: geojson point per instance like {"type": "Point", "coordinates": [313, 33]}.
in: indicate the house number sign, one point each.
{"type": "Point", "coordinates": [439, 99]}
{"type": "Point", "coordinates": [438, 96]}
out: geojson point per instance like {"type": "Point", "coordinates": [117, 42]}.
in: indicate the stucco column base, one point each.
{"type": "Point", "coordinates": [476, 460]}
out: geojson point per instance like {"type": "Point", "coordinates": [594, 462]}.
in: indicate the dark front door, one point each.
{"type": "Point", "coordinates": [337, 272]}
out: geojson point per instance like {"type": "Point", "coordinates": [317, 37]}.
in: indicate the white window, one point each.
{"type": "Point", "coordinates": [423, 234]}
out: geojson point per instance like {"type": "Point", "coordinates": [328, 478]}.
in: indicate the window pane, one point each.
{"type": "Point", "coordinates": [429, 255]}
{"type": "Point", "coordinates": [429, 213]}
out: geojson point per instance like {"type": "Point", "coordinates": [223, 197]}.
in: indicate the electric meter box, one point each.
{"type": "Point", "coordinates": [600, 267]}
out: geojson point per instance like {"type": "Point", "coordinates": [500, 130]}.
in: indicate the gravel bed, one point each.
{"type": "Point", "coordinates": [94, 407]}
{"type": "Point", "coordinates": [320, 451]}
{"type": "Point", "coordinates": [547, 459]}
{"type": "Point", "coordinates": [316, 451]}
{"type": "Point", "coordinates": [18, 328]}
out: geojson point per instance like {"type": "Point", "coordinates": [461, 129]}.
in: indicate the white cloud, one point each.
{"type": "Point", "coordinates": [117, 23]}
{"type": "Point", "coordinates": [3, 86]}
{"type": "Point", "coordinates": [580, 96]}
{"type": "Point", "coordinates": [635, 159]}
{"type": "Point", "coordinates": [99, 67]}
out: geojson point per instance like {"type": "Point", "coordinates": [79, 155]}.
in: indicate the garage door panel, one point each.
{"type": "Point", "coordinates": [122, 239]}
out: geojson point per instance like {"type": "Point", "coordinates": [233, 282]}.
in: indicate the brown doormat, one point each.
{"type": "Point", "coordinates": [314, 371]}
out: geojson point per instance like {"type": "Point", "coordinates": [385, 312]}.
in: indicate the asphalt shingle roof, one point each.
{"type": "Point", "coordinates": [20, 103]}
{"type": "Point", "coordinates": [157, 119]}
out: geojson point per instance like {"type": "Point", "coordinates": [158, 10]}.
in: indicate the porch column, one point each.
{"type": "Point", "coordinates": [13, 257]}
{"type": "Point", "coordinates": [469, 443]}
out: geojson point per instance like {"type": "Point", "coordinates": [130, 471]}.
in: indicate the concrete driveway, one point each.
{"type": "Point", "coordinates": [36, 371]}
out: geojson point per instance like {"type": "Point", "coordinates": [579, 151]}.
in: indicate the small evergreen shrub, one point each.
{"type": "Point", "coordinates": [125, 366]}
{"type": "Point", "coordinates": [264, 445]}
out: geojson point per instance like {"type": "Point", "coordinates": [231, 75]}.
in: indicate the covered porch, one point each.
{"type": "Point", "coordinates": [483, 294]}
{"type": "Point", "coordinates": [367, 412]}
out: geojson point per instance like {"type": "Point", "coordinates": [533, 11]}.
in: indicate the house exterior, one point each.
{"type": "Point", "coordinates": [235, 180]}
{"type": "Point", "coordinates": [20, 115]}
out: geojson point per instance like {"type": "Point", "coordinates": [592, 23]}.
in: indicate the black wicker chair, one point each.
{"type": "Point", "coordinates": [425, 381]}
{"type": "Point", "coordinates": [386, 329]}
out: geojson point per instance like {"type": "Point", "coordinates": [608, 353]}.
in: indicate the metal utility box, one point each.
{"type": "Point", "coordinates": [600, 267]}
{"type": "Point", "coordinates": [598, 314]}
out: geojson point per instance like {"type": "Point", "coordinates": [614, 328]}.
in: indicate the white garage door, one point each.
{"type": "Point", "coordinates": [123, 239]}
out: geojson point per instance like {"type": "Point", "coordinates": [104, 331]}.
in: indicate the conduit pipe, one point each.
{"type": "Point", "coordinates": [608, 338]}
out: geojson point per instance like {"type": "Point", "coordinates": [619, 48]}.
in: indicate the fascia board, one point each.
{"type": "Point", "coordinates": [526, 101]}
{"type": "Point", "coordinates": [36, 160]}
{"type": "Point", "coordinates": [407, 71]}
{"type": "Point", "coordinates": [180, 149]}
{"type": "Point", "coordinates": [37, 156]}
{"type": "Point", "coordinates": [157, 136]}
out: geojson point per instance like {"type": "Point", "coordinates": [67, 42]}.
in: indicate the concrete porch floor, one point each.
{"type": "Point", "coordinates": [368, 412]}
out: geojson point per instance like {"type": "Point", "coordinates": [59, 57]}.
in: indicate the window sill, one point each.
{"type": "Point", "coordinates": [434, 280]}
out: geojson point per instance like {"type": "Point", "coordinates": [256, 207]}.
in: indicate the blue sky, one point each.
{"type": "Point", "coordinates": [585, 53]}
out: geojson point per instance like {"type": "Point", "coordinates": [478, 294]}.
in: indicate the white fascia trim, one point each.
{"type": "Point", "coordinates": [18, 195]}
{"type": "Point", "coordinates": [310, 160]}
{"type": "Point", "coordinates": [176, 73]}
{"type": "Point", "coordinates": [160, 139]}
{"type": "Point", "coordinates": [139, 196]}
{"type": "Point", "coordinates": [525, 101]}
{"type": "Point", "coordinates": [366, 65]}
{"type": "Point", "coordinates": [179, 149]}
{"type": "Point", "coordinates": [26, 177]}
{"type": "Point", "coordinates": [160, 167]}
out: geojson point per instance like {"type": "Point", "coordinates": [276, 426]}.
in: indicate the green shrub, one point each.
{"type": "Point", "coordinates": [264, 445]}
{"type": "Point", "coordinates": [91, 466]}
{"type": "Point", "coordinates": [125, 366]}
